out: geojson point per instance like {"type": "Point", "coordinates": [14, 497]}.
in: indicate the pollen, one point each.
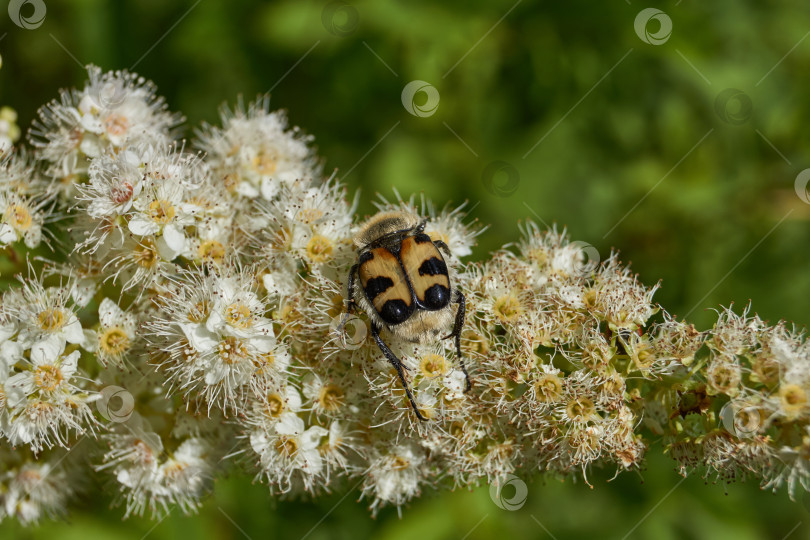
{"type": "Point", "coordinates": [114, 340]}
{"type": "Point", "coordinates": [433, 365]}
{"type": "Point", "coordinates": [18, 216]}
{"type": "Point", "coordinates": [319, 248]}
{"type": "Point", "coordinates": [232, 350]}
{"type": "Point", "coordinates": [507, 308]}
{"type": "Point", "coordinates": [211, 250]}
{"type": "Point", "coordinates": [238, 315]}
{"type": "Point", "coordinates": [310, 215]}
{"type": "Point", "coordinates": [52, 319]}
{"type": "Point", "coordinates": [48, 378]}
{"type": "Point", "coordinates": [161, 211]}
{"type": "Point", "coordinates": [330, 398]}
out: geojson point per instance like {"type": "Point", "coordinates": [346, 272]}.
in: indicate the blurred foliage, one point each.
{"type": "Point", "coordinates": [634, 156]}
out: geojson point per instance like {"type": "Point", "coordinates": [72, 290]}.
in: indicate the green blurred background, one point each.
{"type": "Point", "coordinates": [641, 150]}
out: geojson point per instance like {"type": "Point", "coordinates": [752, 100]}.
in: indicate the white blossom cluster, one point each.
{"type": "Point", "coordinates": [186, 318]}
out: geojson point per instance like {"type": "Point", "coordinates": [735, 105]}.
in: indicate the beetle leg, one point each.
{"type": "Point", "coordinates": [421, 227]}
{"type": "Point", "coordinates": [398, 365]}
{"type": "Point", "coordinates": [456, 333]}
{"type": "Point", "coordinates": [352, 304]}
{"type": "Point", "coordinates": [441, 244]}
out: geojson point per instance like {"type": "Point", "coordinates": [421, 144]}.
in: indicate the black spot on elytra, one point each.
{"type": "Point", "coordinates": [433, 267]}
{"type": "Point", "coordinates": [421, 238]}
{"type": "Point", "coordinates": [395, 311]}
{"type": "Point", "coordinates": [377, 285]}
{"type": "Point", "coordinates": [365, 257]}
{"type": "Point", "coordinates": [437, 297]}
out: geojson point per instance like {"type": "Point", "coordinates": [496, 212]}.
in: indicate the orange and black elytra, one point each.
{"type": "Point", "coordinates": [405, 286]}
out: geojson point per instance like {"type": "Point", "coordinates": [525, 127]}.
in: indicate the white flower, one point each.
{"type": "Point", "coordinates": [115, 335]}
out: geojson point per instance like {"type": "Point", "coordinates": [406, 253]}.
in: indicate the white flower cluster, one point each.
{"type": "Point", "coordinates": [199, 326]}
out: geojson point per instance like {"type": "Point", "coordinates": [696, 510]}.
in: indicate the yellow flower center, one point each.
{"type": "Point", "coordinates": [336, 305]}
{"type": "Point", "coordinates": [548, 388]}
{"type": "Point", "coordinates": [330, 398]}
{"type": "Point", "coordinates": [146, 254]}
{"type": "Point", "coordinates": [793, 397]}
{"type": "Point", "coordinates": [232, 350]}
{"type": "Point", "coordinates": [199, 311]}
{"type": "Point", "coordinates": [114, 340]}
{"type": "Point", "coordinates": [275, 405]}
{"type": "Point", "coordinates": [18, 216]}
{"type": "Point", "coordinates": [319, 248]}
{"type": "Point", "coordinates": [581, 408]}
{"type": "Point", "coordinates": [310, 215]}
{"type": "Point", "coordinates": [507, 308]}
{"type": "Point", "coordinates": [52, 319]}
{"type": "Point", "coordinates": [433, 365]}
{"type": "Point", "coordinates": [161, 211]}
{"type": "Point", "coordinates": [400, 463]}
{"type": "Point", "coordinates": [286, 446]}
{"type": "Point", "coordinates": [48, 378]}
{"type": "Point", "coordinates": [539, 256]}
{"type": "Point", "coordinates": [264, 163]}
{"type": "Point", "coordinates": [211, 250]}
{"type": "Point", "coordinates": [238, 315]}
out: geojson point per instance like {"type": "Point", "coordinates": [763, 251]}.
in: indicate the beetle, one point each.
{"type": "Point", "coordinates": [402, 282]}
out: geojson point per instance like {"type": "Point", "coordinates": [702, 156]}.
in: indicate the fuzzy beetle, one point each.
{"type": "Point", "coordinates": [405, 286]}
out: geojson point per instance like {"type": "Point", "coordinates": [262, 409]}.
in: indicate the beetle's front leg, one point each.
{"type": "Point", "coordinates": [398, 365]}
